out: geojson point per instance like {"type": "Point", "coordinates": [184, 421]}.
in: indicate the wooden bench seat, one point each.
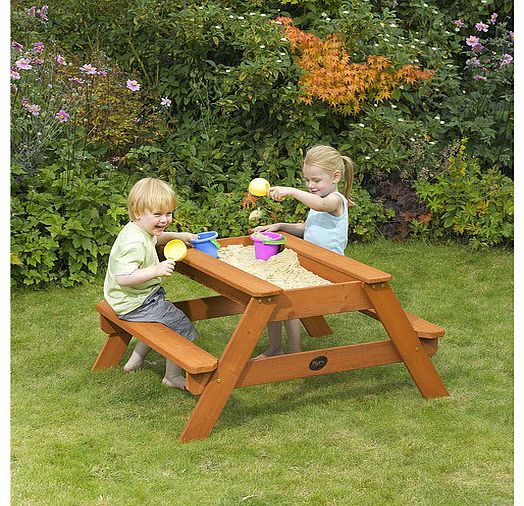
{"type": "Point", "coordinates": [423, 328]}
{"type": "Point", "coordinates": [173, 346]}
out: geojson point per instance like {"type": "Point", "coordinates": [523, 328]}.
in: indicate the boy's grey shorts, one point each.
{"type": "Point", "coordinates": [157, 309]}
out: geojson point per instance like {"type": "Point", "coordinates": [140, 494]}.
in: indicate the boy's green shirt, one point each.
{"type": "Point", "coordinates": [133, 249]}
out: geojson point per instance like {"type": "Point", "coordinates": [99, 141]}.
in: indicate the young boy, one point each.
{"type": "Point", "coordinates": [134, 274]}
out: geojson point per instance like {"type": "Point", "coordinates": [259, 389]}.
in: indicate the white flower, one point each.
{"type": "Point", "coordinates": [393, 106]}
{"type": "Point", "coordinates": [255, 215]}
{"type": "Point", "coordinates": [400, 119]}
{"type": "Point", "coordinates": [262, 46]}
{"type": "Point", "coordinates": [361, 125]}
{"type": "Point", "coordinates": [376, 149]}
{"type": "Point", "coordinates": [442, 122]}
{"type": "Point", "coordinates": [367, 157]}
{"type": "Point", "coordinates": [412, 139]}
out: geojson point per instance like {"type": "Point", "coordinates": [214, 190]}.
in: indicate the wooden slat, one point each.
{"type": "Point", "coordinates": [340, 358]}
{"type": "Point", "coordinates": [171, 345]}
{"type": "Point", "coordinates": [209, 307]}
{"type": "Point", "coordinates": [337, 262]}
{"type": "Point", "coordinates": [112, 351]}
{"type": "Point", "coordinates": [423, 328]}
{"type": "Point", "coordinates": [230, 275]}
{"type": "Point", "coordinates": [316, 326]}
{"type": "Point", "coordinates": [320, 300]}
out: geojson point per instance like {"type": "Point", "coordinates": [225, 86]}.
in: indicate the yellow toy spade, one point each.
{"type": "Point", "coordinates": [175, 250]}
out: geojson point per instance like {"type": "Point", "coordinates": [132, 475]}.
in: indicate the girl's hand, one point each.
{"type": "Point", "coordinates": [267, 228]}
{"type": "Point", "coordinates": [278, 193]}
{"type": "Point", "coordinates": [187, 237]}
{"type": "Point", "coordinates": [165, 268]}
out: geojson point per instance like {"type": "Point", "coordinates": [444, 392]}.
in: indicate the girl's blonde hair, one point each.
{"type": "Point", "coordinates": [149, 195]}
{"type": "Point", "coordinates": [329, 159]}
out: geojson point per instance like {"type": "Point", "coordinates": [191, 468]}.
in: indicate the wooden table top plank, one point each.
{"type": "Point", "coordinates": [328, 258]}
{"type": "Point", "coordinates": [232, 276]}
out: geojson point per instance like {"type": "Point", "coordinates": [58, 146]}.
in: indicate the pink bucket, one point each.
{"type": "Point", "coordinates": [269, 246]}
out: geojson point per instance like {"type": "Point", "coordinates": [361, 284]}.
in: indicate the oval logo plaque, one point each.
{"type": "Point", "coordinates": [318, 363]}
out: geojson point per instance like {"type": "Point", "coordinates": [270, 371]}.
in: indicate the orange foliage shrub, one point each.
{"type": "Point", "coordinates": [331, 77]}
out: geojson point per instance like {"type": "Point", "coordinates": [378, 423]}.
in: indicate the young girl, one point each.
{"type": "Point", "coordinates": [134, 275]}
{"type": "Point", "coordinates": [326, 224]}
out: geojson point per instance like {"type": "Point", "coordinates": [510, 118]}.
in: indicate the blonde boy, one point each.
{"type": "Point", "coordinates": [134, 275]}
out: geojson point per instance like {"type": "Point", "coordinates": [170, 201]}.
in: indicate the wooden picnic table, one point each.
{"type": "Point", "coordinates": [355, 287]}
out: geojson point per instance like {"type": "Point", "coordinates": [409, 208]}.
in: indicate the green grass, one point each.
{"type": "Point", "coordinates": [359, 437]}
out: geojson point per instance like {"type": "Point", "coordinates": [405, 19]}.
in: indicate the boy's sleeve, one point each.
{"type": "Point", "coordinates": [128, 260]}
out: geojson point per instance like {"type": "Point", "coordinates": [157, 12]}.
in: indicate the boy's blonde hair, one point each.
{"type": "Point", "coordinates": [329, 159]}
{"type": "Point", "coordinates": [149, 195]}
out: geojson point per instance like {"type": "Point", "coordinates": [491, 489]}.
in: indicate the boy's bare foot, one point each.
{"type": "Point", "coordinates": [144, 364]}
{"type": "Point", "coordinates": [269, 353]}
{"type": "Point", "coordinates": [176, 382]}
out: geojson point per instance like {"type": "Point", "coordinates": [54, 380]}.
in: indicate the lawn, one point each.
{"type": "Point", "coordinates": [359, 437]}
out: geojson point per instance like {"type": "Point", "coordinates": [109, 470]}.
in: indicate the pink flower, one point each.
{"type": "Point", "coordinates": [132, 85]}
{"type": "Point", "coordinates": [62, 116]}
{"type": "Point", "coordinates": [38, 47]}
{"type": "Point", "coordinates": [472, 40]}
{"type": "Point", "coordinates": [17, 46]}
{"type": "Point", "coordinates": [24, 63]}
{"type": "Point", "coordinates": [506, 59]}
{"type": "Point", "coordinates": [32, 11]}
{"type": "Point", "coordinates": [43, 12]}
{"type": "Point", "coordinates": [76, 80]}
{"type": "Point", "coordinates": [458, 23]}
{"type": "Point", "coordinates": [493, 18]}
{"type": "Point", "coordinates": [15, 75]}
{"type": "Point", "coordinates": [480, 78]}
{"type": "Point", "coordinates": [481, 27]}
{"type": "Point", "coordinates": [38, 61]}
{"type": "Point", "coordinates": [88, 69]}
{"type": "Point", "coordinates": [34, 109]}
{"type": "Point", "coordinates": [60, 60]}
{"type": "Point", "coordinates": [165, 101]}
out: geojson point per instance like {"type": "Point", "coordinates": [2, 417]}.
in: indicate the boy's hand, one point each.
{"type": "Point", "coordinates": [165, 268]}
{"type": "Point", "coordinates": [187, 237]}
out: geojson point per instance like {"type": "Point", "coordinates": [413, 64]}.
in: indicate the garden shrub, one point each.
{"type": "Point", "coordinates": [468, 204]}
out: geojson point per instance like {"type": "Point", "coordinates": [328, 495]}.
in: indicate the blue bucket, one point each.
{"type": "Point", "coordinates": [207, 243]}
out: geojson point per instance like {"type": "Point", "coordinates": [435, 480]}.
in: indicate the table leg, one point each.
{"type": "Point", "coordinates": [405, 339]}
{"type": "Point", "coordinates": [316, 326]}
{"type": "Point", "coordinates": [112, 351]}
{"type": "Point", "coordinates": [231, 364]}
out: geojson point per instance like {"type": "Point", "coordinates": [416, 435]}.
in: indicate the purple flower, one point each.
{"type": "Point", "coordinates": [42, 13]}
{"type": "Point", "coordinates": [493, 18]}
{"type": "Point", "coordinates": [62, 116]}
{"type": "Point", "coordinates": [102, 73]}
{"type": "Point", "coordinates": [165, 101]}
{"type": "Point", "coordinates": [478, 48]}
{"type": "Point", "coordinates": [473, 61]}
{"type": "Point", "coordinates": [32, 11]}
{"type": "Point", "coordinates": [17, 46]}
{"type": "Point", "coordinates": [24, 63]}
{"type": "Point", "coordinates": [76, 80]}
{"type": "Point", "coordinates": [458, 23]}
{"type": "Point", "coordinates": [480, 78]}
{"type": "Point", "coordinates": [512, 35]}
{"type": "Point", "coordinates": [88, 69]}
{"type": "Point", "coordinates": [25, 102]}
{"type": "Point", "coordinates": [60, 60]}
{"type": "Point", "coordinates": [481, 27]}
{"type": "Point", "coordinates": [15, 75]}
{"type": "Point", "coordinates": [132, 85]}
{"type": "Point", "coordinates": [38, 47]}
{"type": "Point", "coordinates": [38, 61]}
{"type": "Point", "coordinates": [506, 59]}
{"type": "Point", "coordinates": [34, 109]}
{"type": "Point", "coordinates": [472, 40]}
